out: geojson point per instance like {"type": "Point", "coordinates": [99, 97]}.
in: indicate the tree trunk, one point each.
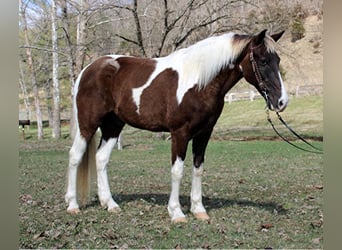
{"type": "Point", "coordinates": [56, 126]}
{"type": "Point", "coordinates": [32, 73]}
{"type": "Point", "coordinates": [81, 36]}
{"type": "Point", "coordinates": [49, 103]}
{"type": "Point", "coordinates": [24, 92]}
{"type": "Point", "coordinates": [71, 64]}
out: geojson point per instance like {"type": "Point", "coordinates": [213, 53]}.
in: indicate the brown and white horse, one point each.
{"type": "Point", "coordinates": [182, 93]}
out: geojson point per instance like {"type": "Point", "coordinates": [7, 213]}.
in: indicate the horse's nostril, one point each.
{"type": "Point", "coordinates": [282, 104]}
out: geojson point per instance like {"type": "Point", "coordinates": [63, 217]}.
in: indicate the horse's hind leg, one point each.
{"type": "Point", "coordinates": [76, 153]}
{"type": "Point", "coordinates": [111, 128]}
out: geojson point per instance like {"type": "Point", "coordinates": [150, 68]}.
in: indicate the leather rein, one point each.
{"type": "Point", "coordinates": [263, 88]}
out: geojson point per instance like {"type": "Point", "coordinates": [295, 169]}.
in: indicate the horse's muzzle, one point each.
{"type": "Point", "coordinates": [282, 104]}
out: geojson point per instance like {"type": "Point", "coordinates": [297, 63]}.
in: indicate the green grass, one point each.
{"type": "Point", "coordinates": [248, 119]}
{"type": "Point", "coordinates": [259, 193]}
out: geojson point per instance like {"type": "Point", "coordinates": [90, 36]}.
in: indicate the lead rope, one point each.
{"type": "Point", "coordinates": [318, 150]}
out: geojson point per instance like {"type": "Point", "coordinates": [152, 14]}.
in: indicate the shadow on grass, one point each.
{"type": "Point", "coordinates": [209, 203]}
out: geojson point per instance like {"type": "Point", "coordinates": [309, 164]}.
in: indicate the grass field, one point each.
{"type": "Point", "coordinates": [258, 193]}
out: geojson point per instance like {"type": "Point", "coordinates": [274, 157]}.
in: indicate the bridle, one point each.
{"type": "Point", "coordinates": [257, 73]}
{"type": "Point", "coordinates": [263, 89]}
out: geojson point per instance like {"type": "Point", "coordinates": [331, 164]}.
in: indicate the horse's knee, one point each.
{"type": "Point", "coordinates": [103, 154]}
{"type": "Point", "coordinates": [177, 169]}
{"type": "Point", "coordinates": [77, 150]}
{"type": "Point", "coordinates": [75, 157]}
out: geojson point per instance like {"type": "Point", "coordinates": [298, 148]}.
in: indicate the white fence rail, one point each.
{"type": "Point", "coordinates": [239, 96]}
{"type": "Point", "coordinates": [306, 90]}
{"type": "Point", "coordinates": [300, 91]}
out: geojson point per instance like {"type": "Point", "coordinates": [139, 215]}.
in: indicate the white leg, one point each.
{"type": "Point", "coordinates": [174, 207]}
{"type": "Point", "coordinates": [120, 142]}
{"type": "Point", "coordinates": [102, 158]}
{"type": "Point", "coordinates": [75, 156]}
{"type": "Point", "coordinates": [197, 207]}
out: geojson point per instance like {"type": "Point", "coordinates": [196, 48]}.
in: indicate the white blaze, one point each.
{"type": "Point", "coordinates": [284, 97]}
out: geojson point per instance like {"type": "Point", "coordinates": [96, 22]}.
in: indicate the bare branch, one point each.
{"type": "Point", "coordinates": [194, 28]}
{"type": "Point", "coordinates": [43, 49]}
{"type": "Point", "coordinates": [138, 28]}
{"type": "Point", "coordinates": [127, 39]}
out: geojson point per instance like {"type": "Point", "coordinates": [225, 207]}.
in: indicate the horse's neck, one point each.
{"type": "Point", "coordinates": [226, 79]}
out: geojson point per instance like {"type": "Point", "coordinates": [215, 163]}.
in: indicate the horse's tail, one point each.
{"type": "Point", "coordinates": [86, 171]}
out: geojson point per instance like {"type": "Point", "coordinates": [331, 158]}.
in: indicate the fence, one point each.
{"type": "Point", "coordinates": [240, 96]}
{"type": "Point", "coordinates": [306, 90]}
{"type": "Point", "coordinates": [300, 91]}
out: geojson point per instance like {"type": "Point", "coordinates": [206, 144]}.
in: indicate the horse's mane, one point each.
{"type": "Point", "coordinates": [200, 62]}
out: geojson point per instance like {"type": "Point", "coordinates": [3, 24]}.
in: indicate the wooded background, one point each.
{"type": "Point", "coordinates": [57, 38]}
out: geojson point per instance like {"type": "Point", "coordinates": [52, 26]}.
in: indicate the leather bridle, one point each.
{"type": "Point", "coordinates": [256, 71]}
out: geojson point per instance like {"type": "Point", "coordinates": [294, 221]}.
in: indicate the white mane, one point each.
{"type": "Point", "coordinates": [201, 62]}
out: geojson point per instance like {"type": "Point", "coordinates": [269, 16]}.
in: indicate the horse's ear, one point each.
{"type": "Point", "coordinates": [259, 38]}
{"type": "Point", "coordinates": [277, 36]}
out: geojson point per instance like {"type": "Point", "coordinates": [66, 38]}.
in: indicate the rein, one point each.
{"type": "Point", "coordinates": [315, 151]}
{"type": "Point", "coordinates": [264, 91]}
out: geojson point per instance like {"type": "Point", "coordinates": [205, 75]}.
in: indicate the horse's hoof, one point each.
{"type": "Point", "coordinates": [202, 216]}
{"type": "Point", "coordinates": [114, 210]}
{"type": "Point", "coordinates": [73, 211]}
{"type": "Point", "coordinates": [179, 220]}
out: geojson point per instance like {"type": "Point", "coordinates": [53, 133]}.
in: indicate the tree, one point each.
{"type": "Point", "coordinates": [32, 71]}
{"type": "Point", "coordinates": [23, 88]}
{"type": "Point", "coordinates": [56, 127]}
{"type": "Point", "coordinates": [71, 61]}
{"type": "Point", "coordinates": [160, 27]}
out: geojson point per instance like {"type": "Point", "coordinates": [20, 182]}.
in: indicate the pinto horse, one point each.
{"type": "Point", "coordinates": [182, 93]}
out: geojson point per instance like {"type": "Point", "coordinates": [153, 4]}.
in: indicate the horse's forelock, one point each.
{"type": "Point", "coordinates": [241, 41]}
{"type": "Point", "coordinates": [239, 44]}
{"type": "Point", "coordinates": [270, 44]}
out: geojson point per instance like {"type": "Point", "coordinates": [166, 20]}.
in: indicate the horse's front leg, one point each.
{"type": "Point", "coordinates": [199, 145]}
{"type": "Point", "coordinates": [179, 146]}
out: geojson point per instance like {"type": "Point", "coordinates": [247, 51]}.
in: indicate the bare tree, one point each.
{"type": "Point", "coordinates": [71, 63]}
{"type": "Point", "coordinates": [56, 127]}
{"type": "Point", "coordinates": [32, 71]}
{"type": "Point", "coordinates": [81, 35]}
{"type": "Point", "coordinates": [23, 88]}
{"type": "Point", "coordinates": [159, 27]}
{"type": "Point", "coordinates": [76, 52]}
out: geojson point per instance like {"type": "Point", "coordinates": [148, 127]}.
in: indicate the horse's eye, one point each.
{"type": "Point", "coordinates": [263, 61]}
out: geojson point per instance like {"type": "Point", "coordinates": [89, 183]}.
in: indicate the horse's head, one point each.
{"type": "Point", "coordinates": [260, 67]}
